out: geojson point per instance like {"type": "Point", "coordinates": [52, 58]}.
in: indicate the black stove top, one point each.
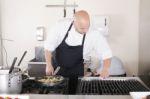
{"type": "Point", "coordinates": [34, 87]}
{"type": "Point", "coordinates": [85, 87]}
{"type": "Point", "coordinates": [109, 87]}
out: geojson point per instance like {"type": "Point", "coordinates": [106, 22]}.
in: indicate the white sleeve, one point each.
{"type": "Point", "coordinates": [52, 41]}
{"type": "Point", "coordinates": [102, 48]}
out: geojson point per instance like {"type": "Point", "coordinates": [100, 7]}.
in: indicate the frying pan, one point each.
{"type": "Point", "coordinates": [50, 80]}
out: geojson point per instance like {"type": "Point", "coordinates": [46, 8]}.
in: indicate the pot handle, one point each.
{"type": "Point", "coordinates": [27, 77]}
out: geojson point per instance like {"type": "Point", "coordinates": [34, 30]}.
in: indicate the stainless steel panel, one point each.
{"type": "Point", "coordinates": [36, 69]}
{"type": "Point", "coordinates": [39, 54]}
{"type": "Point", "coordinates": [144, 38]}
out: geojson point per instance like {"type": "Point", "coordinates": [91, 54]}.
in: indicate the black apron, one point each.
{"type": "Point", "coordinates": [70, 59]}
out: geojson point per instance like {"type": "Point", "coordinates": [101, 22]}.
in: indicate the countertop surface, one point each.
{"type": "Point", "coordinates": [80, 97]}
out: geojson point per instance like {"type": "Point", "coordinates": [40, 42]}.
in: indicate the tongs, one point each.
{"type": "Point", "coordinates": [54, 74]}
{"type": "Point", "coordinates": [56, 70]}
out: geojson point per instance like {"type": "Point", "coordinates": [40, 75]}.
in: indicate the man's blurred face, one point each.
{"type": "Point", "coordinates": [82, 26]}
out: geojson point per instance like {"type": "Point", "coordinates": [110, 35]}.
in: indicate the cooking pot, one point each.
{"type": "Point", "coordinates": [10, 83]}
{"type": "Point", "coordinates": [11, 78]}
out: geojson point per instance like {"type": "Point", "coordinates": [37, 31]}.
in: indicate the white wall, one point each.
{"type": "Point", "coordinates": [21, 17]}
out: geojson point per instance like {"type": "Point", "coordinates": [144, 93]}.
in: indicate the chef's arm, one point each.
{"type": "Point", "coordinates": [49, 66]}
{"type": "Point", "coordinates": [106, 65]}
{"type": "Point", "coordinates": [48, 57]}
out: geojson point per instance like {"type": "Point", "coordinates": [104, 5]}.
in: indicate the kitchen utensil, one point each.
{"type": "Point", "coordinates": [22, 58]}
{"type": "Point", "coordinates": [11, 82]}
{"type": "Point", "coordinates": [56, 71]}
{"type": "Point", "coordinates": [12, 66]}
{"type": "Point", "coordinates": [65, 1]}
{"type": "Point", "coordinates": [74, 10]}
{"type": "Point", "coordinates": [11, 79]}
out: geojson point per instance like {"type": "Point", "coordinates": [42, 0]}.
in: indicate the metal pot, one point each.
{"type": "Point", "coordinates": [11, 83]}
{"type": "Point", "coordinates": [11, 78]}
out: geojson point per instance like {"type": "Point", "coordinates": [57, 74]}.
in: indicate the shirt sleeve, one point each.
{"type": "Point", "coordinates": [52, 41]}
{"type": "Point", "coordinates": [102, 48]}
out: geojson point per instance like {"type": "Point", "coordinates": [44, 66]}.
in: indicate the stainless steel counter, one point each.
{"type": "Point", "coordinates": [80, 97]}
{"type": "Point", "coordinates": [37, 96]}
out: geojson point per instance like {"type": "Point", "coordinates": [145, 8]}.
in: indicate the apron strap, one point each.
{"type": "Point", "coordinates": [68, 31]}
{"type": "Point", "coordinates": [83, 39]}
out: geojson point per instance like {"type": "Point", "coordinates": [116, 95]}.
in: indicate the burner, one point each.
{"type": "Point", "coordinates": [109, 87]}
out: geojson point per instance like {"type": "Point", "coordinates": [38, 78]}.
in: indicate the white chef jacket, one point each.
{"type": "Point", "coordinates": [93, 40]}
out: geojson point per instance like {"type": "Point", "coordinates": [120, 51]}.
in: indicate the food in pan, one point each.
{"type": "Point", "coordinates": [51, 79]}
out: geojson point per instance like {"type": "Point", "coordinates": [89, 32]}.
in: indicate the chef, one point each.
{"type": "Point", "coordinates": [72, 40]}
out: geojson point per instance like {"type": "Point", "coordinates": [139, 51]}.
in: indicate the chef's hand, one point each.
{"type": "Point", "coordinates": [104, 73]}
{"type": "Point", "coordinates": [49, 70]}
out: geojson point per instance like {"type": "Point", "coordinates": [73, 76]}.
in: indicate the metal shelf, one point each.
{"type": "Point", "coordinates": [71, 5]}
